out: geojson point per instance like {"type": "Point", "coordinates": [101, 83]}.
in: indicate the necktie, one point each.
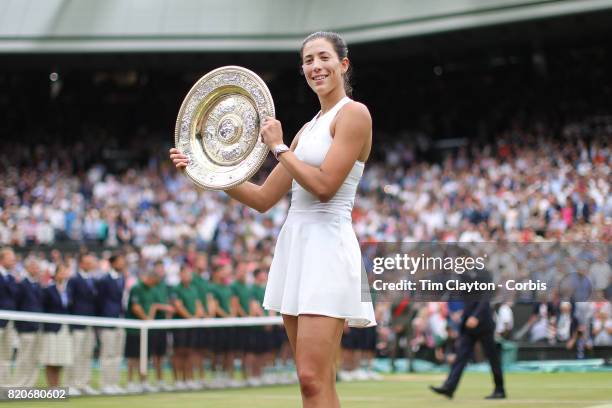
{"type": "Point", "coordinates": [90, 284]}
{"type": "Point", "coordinates": [63, 297]}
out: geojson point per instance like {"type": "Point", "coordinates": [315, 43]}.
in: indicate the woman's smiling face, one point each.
{"type": "Point", "coordinates": [321, 66]}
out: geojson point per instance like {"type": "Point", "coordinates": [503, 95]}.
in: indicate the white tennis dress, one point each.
{"type": "Point", "coordinates": [317, 260]}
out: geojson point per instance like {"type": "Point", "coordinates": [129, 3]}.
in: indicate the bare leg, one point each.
{"type": "Point", "coordinates": [291, 327]}
{"type": "Point", "coordinates": [188, 364]}
{"type": "Point", "coordinates": [157, 362]}
{"type": "Point", "coordinates": [52, 376]}
{"type": "Point", "coordinates": [317, 345]}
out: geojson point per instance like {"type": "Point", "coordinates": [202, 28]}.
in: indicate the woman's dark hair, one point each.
{"type": "Point", "coordinates": [341, 50]}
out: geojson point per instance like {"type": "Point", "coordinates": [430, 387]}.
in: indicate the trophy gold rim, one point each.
{"type": "Point", "coordinates": [197, 104]}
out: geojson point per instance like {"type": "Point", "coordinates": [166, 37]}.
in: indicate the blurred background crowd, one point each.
{"type": "Point", "coordinates": [510, 144]}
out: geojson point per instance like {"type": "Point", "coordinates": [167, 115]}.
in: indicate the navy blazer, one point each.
{"type": "Point", "coordinates": [8, 295]}
{"type": "Point", "coordinates": [29, 299]}
{"type": "Point", "coordinates": [110, 295]}
{"type": "Point", "coordinates": [483, 312]}
{"type": "Point", "coordinates": [52, 303]}
{"type": "Point", "coordinates": [82, 296]}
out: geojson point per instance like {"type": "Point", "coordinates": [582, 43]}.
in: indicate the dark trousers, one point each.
{"type": "Point", "coordinates": [465, 350]}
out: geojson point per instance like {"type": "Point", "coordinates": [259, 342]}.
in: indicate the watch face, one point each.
{"type": "Point", "coordinates": [280, 149]}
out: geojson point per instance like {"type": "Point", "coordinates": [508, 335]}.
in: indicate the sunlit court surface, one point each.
{"type": "Point", "coordinates": [567, 390]}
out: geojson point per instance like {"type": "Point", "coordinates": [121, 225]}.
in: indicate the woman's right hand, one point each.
{"type": "Point", "coordinates": [179, 159]}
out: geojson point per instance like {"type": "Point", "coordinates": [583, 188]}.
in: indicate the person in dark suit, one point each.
{"type": "Point", "coordinates": [110, 290]}
{"type": "Point", "coordinates": [29, 299]}
{"type": "Point", "coordinates": [8, 296]}
{"type": "Point", "coordinates": [56, 349]}
{"type": "Point", "coordinates": [82, 292]}
{"type": "Point", "coordinates": [477, 325]}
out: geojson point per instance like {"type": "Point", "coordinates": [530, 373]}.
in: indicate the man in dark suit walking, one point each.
{"type": "Point", "coordinates": [82, 292]}
{"type": "Point", "coordinates": [29, 299]}
{"type": "Point", "coordinates": [477, 325]}
{"type": "Point", "coordinates": [8, 295]}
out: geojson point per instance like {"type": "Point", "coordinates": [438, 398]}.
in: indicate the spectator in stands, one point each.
{"type": "Point", "coordinates": [504, 322]}
{"type": "Point", "coordinates": [29, 299]}
{"type": "Point", "coordinates": [602, 327]}
{"type": "Point", "coordinates": [186, 302]}
{"type": "Point", "coordinates": [437, 327]}
{"type": "Point", "coordinates": [403, 326]}
{"type": "Point", "coordinates": [600, 272]}
{"type": "Point", "coordinates": [581, 341]}
{"type": "Point", "coordinates": [539, 323]}
{"type": "Point", "coordinates": [566, 323]}
{"type": "Point", "coordinates": [57, 348]}
{"type": "Point", "coordinates": [8, 297]}
{"type": "Point", "coordinates": [154, 249]}
{"type": "Point", "coordinates": [110, 288]}
{"type": "Point", "coordinates": [82, 293]}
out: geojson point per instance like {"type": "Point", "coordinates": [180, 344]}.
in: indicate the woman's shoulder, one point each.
{"type": "Point", "coordinates": [355, 110]}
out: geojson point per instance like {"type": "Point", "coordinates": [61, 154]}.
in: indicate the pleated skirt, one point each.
{"type": "Point", "coordinates": [57, 348]}
{"type": "Point", "coordinates": [317, 270]}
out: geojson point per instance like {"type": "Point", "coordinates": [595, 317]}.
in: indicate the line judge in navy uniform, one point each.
{"type": "Point", "coordinates": [477, 325]}
{"type": "Point", "coordinates": [110, 290]}
{"type": "Point", "coordinates": [29, 299]}
{"type": "Point", "coordinates": [8, 297]}
{"type": "Point", "coordinates": [82, 293]}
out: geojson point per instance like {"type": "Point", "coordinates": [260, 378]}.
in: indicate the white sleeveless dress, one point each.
{"type": "Point", "coordinates": [317, 260]}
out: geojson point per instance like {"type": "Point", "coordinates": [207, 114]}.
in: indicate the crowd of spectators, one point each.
{"type": "Point", "coordinates": [526, 186]}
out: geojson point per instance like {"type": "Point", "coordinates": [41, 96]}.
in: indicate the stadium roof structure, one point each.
{"type": "Point", "coordinates": [76, 26]}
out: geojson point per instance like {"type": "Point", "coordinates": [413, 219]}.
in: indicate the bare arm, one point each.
{"type": "Point", "coordinates": [140, 313]}
{"type": "Point", "coordinates": [210, 302]}
{"type": "Point", "coordinates": [353, 130]}
{"type": "Point", "coordinates": [181, 310]}
{"type": "Point", "coordinates": [255, 309]}
{"type": "Point", "coordinates": [260, 198]}
{"type": "Point", "coordinates": [199, 309]}
{"type": "Point", "coordinates": [239, 311]}
{"type": "Point", "coordinates": [276, 186]}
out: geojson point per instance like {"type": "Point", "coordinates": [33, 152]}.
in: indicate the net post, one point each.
{"type": "Point", "coordinates": [144, 336]}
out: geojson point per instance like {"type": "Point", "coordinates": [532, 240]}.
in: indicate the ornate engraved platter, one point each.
{"type": "Point", "coordinates": [218, 124]}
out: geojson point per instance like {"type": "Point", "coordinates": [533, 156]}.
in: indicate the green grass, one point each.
{"type": "Point", "coordinates": [526, 390]}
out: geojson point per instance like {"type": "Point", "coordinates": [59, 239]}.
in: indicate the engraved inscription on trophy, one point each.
{"type": "Point", "coordinates": [227, 131]}
{"type": "Point", "coordinates": [218, 127]}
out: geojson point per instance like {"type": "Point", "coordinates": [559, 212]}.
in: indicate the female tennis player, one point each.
{"type": "Point", "coordinates": [315, 276]}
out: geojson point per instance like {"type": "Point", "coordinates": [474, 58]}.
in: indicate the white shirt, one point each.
{"type": "Point", "coordinates": [505, 319]}
{"type": "Point", "coordinates": [600, 274]}
{"type": "Point", "coordinates": [3, 272]}
{"type": "Point", "coordinates": [114, 274]}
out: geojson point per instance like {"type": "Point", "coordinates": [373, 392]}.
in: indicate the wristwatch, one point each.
{"type": "Point", "coordinates": [280, 149]}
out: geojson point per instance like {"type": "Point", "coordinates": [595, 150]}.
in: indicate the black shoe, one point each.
{"type": "Point", "coordinates": [448, 393]}
{"type": "Point", "coordinates": [497, 395]}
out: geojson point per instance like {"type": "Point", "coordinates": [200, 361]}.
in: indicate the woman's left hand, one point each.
{"type": "Point", "coordinates": [271, 132]}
